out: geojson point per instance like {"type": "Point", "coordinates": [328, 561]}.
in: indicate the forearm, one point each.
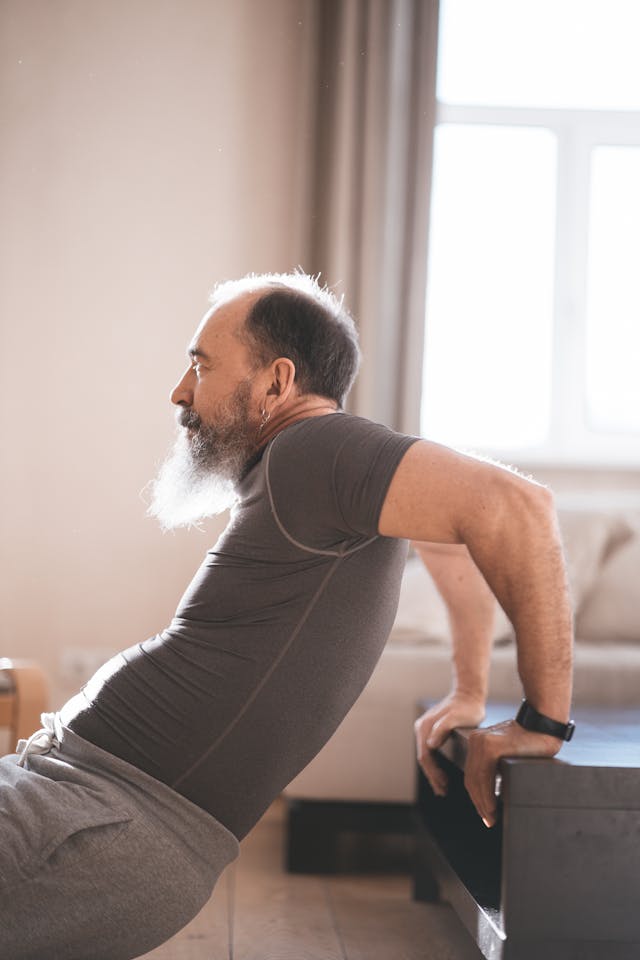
{"type": "Point", "coordinates": [520, 555]}
{"type": "Point", "coordinates": [510, 528]}
{"type": "Point", "coordinates": [471, 610]}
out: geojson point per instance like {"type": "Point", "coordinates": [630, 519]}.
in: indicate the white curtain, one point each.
{"type": "Point", "coordinates": [373, 150]}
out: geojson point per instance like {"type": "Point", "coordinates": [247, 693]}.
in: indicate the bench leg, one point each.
{"type": "Point", "coordinates": [312, 838]}
{"type": "Point", "coordinates": [315, 830]}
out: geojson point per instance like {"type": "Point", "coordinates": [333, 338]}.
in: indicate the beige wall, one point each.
{"type": "Point", "coordinates": [149, 148]}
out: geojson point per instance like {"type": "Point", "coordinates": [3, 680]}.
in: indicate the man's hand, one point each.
{"type": "Point", "coordinates": [486, 747]}
{"type": "Point", "coordinates": [433, 728]}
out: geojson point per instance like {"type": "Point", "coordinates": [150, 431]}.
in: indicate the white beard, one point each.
{"type": "Point", "coordinates": [200, 476]}
{"type": "Point", "coordinates": [183, 494]}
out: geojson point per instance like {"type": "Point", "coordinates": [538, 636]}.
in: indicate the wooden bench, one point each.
{"type": "Point", "coordinates": [558, 876]}
{"type": "Point", "coordinates": [23, 697]}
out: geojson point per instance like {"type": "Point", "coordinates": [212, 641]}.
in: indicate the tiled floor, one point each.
{"type": "Point", "coordinates": [281, 916]}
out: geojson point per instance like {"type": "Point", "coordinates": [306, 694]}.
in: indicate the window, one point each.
{"type": "Point", "coordinates": [532, 347]}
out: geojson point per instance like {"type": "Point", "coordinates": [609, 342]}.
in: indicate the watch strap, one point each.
{"type": "Point", "coordinates": [529, 718]}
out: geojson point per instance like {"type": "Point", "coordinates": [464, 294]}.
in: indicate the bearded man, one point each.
{"type": "Point", "coordinates": [124, 809]}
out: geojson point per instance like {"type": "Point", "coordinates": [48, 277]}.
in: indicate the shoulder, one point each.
{"type": "Point", "coordinates": [338, 466]}
{"type": "Point", "coordinates": [335, 430]}
{"type": "Point", "coordinates": [341, 448]}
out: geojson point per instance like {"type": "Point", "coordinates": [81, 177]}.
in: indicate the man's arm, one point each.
{"type": "Point", "coordinates": [471, 609]}
{"type": "Point", "coordinates": [510, 528]}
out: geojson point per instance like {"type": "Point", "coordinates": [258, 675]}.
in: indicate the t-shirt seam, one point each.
{"type": "Point", "coordinates": [288, 536]}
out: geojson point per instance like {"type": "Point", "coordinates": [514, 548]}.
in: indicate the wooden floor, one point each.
{"type": "Point", "coordinates": [281, 916]}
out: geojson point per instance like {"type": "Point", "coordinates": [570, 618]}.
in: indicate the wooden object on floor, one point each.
{"type": "Point", "coordinates": [557, 876]}
{"type": "Point", "coordinates": [23, 697]}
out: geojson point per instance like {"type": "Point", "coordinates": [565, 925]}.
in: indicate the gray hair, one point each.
{"type": "Point", "coordinates": [299, 319]}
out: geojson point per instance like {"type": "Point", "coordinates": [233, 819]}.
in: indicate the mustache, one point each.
{"type": "Point", "coordinates": [185, 417]}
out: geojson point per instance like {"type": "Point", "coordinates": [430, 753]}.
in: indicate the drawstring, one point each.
{"type": "Point", "coordinates": [231, 904]}
{"type": "Point", "coordinates": [42, 740]}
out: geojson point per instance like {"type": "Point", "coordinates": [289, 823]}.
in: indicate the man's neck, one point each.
{"type": "Point", "coordinates": [301, 408]}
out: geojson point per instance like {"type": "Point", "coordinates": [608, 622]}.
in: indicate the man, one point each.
{"type": "Point", "coordinates": [176, 746]}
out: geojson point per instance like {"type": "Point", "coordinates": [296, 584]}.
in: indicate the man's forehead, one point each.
{"type": "Point", "coordinates": [223, 319]}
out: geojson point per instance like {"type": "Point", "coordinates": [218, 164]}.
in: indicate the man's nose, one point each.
{"type": "Point", "coordinates": [182, 393]}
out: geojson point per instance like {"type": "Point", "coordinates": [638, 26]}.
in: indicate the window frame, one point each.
{"type": "Point", "coordinates": [571, 440]}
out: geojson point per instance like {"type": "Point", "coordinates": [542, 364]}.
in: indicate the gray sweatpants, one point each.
{"type": "Point", "coordinates": [98, 860]}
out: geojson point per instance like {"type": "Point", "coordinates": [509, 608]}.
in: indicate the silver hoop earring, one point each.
{"type": "Point", "coordinates": [265, 419]}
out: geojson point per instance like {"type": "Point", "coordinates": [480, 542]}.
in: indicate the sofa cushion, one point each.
{"type": "Point", "coordinates": [422, 615]}
{"type": "Point", "coordinates": [589, 536]}
{"type": "Point", "coordinates": [611, 612]}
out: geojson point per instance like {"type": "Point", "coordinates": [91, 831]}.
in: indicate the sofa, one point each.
{"type": "Point", "coordinates": [366, 773]}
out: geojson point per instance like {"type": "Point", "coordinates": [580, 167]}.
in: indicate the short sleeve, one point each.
{"type": "Point", "coordinates": [328, 478]}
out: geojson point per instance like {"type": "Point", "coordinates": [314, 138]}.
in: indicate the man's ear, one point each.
{"type": "Point", "coordinates": [283, 375]}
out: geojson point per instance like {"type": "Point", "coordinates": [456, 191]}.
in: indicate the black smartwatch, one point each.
{"type": "Point", "coordinates": [530, 719]}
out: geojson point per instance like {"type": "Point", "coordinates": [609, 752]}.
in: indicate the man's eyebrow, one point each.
{"type": "Point", "coordinates": [197, 352]}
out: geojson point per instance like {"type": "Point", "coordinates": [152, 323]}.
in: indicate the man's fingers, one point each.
{"type": "Point", "coordinates": [480, 777]}
{"type": "Point", "coordinates": [486, 747]}
{"type": "Point", "coordinates": [437, 778]}
{"type": "Point", "coordinates": [487, 801]}
{"type": "Point", "coordinates": [422, 729]}
{"type": "Point", "coordinates": [434, 773]}
{"type": "Point", "coordinates": [439, 733]}
{"type": "Point", "coordinates": [486, 808]}
{"type": "Point", "coordinates": [433, 728]}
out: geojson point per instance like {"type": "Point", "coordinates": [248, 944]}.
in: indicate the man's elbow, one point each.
{"type": "Point", "coordinates": [524, 509]}
{"type": "Point", "coordinates": [543, 504]}
{"type": "Point", "coordinates": [532, 498]}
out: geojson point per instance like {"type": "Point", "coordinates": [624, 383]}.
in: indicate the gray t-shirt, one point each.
{"type": "Point", "coordinates": [277, 634]}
